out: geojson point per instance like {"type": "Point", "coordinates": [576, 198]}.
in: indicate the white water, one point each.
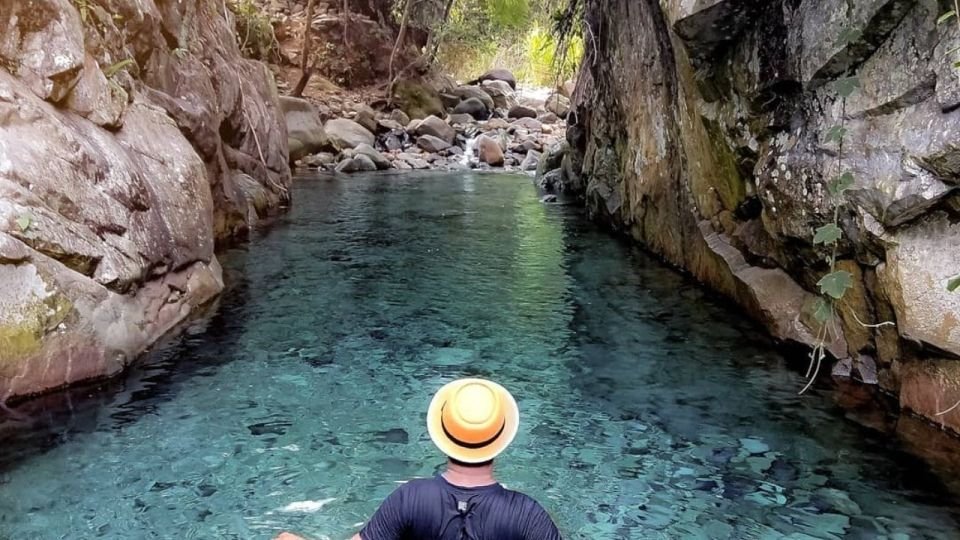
{"type": "Point", "coordinates": [469, 151]}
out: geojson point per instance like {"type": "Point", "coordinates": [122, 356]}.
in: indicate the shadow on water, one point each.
{"type": "Point", "coordinates": [45, 422]}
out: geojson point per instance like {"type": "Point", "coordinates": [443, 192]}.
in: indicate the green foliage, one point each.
{"type": "Point", "coordinates": [946, 16]}
{"type": "Point", "coordinates": [118, 67]}
{"type": "Point", "coordinates": [839, 185]}
{"type": "Point", "coordinates": [836, 133]}
{"type": "Point", "coordinates": [822, 311]}
{"type": "Point", "coordinates": [24, 222]}
{"type": "Point", "coordinates": [828, 234]}
{"type": "Point", "coordinates": [954, 283]}
{"type": "Point", "coordinates": [846, 86]}
{"type": "Point", "coordinates": [254, 29]}
{"type": "Point", "coordinates": [836, 283]}
{"type": "Point", "coordinates": [510, 34]}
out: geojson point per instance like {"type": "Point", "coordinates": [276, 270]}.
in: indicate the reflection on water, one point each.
{"type": "Point", "coordinates": [649, 410]}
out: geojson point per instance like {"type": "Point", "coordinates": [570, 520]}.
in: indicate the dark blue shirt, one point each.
{"type": "Point", "coordinates": [435, 509]}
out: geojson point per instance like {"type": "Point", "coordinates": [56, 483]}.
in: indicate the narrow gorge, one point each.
{"type": "Point", "coordinates": [702, 129]}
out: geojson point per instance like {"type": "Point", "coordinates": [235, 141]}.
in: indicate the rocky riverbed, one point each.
{"type": "Point", "coordinates": [485, 125]}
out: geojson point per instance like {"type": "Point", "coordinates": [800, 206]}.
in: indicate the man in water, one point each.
{"type": "Point", "coordinates": [471, 421]}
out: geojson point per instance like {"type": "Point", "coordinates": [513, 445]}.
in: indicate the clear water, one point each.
{"type": "Point", "coordinates": [649, 410]}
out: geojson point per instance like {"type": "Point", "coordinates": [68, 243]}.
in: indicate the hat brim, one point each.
{"type": "Point", "coordinates": [472, 455]}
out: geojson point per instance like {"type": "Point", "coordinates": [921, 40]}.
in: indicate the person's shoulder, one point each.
{"type": "Point", "coordinates": [522, 499]}
{"type": "Point", "coordinates": [420, 485]}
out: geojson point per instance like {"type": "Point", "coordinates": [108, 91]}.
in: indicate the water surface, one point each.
{"type": "Point", "coordinates": [649, 410]}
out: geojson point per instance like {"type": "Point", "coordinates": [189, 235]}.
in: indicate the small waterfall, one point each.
{"type": "Point", "coordinates": [468, 152]}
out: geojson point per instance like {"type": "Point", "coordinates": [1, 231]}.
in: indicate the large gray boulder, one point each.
{"type": "Point", "coordinates": [474, 107]}
{"type": "Point", "coordinates": [376, 157]}
{"type": "Point", "coordinates": [436, 127]}
{"type": "Point", "coordinates": [431, 143]}
{"type": "Point", "coordinates": [305, 134]}
{"type": "Point", "coordinates": [344, 133]}
{"type": "Point", "coordinates": [501, 75]}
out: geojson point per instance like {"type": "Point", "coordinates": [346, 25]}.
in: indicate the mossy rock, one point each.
{"type": "Point", "coordinates": [418, 99]}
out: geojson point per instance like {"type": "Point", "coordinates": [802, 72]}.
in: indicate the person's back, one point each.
{"type": "Point", "coordinates": [436, 509]}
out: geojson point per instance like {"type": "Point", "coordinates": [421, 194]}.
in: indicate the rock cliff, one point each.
{"type": "Point", "coordinates": [701, 129]}
{"type": "Point", "coordinates": [133, 138]}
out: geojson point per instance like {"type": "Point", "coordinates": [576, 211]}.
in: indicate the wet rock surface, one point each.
{"type": "Point", "coordinates": [707, 142]}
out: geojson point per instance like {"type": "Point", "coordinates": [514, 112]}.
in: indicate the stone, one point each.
{"type": "Point", "coordinates": [417, 99]}
{"type": "Point", "coordinates": [376, 157]}
{"type": "Point", "coordinates": [558, 105]}
{"type": "Point", "coordinates": [551, 180]}
{"type": "Point", "coordinates": [528, 123]}
{"type": "Point", "coordinates": [531, 161]}
{"type": "Point", "coordinates": [94, 98]}
{"type": "Point", "coordinates": [467, 92]}
{"type": "Point", "coordinates": [914, 279]}
{"type": "Point", "coordinates": [431, 143]}
{"type": "Point", "coordinates": [501, 94]}
{"type": "Point", "coordinates": [498, 74]}
{"type": "Point", "coordinates": [566, 89]}
{"type": "Point", "coordinates": [366, 117]}
{"type": "Point", "coordinates": [386, 125]}
{"type": "Point", "coordinates": [931, 388]}
{"type": "Point", "coordinates": [496, 123]}
{"type": "Point", "coordinates": [318, 160]}
{"type": "Point", "coordinates": [489, 151]}
{"type": "Point", "coordinates": [473, 107]}
{"type": "Point", "coordinates": [549, 118]}
{"type": "Point", "coordinates": [436, 127]}
{"type": "Point", "coordinates": [521, 111]}
{"type": "Point", "coordinates": [344, 133]}
{"type": "Point", "coordinates": [460, 119]}
{"type": "Point", "coordinates": [357, 163]}
{"type": "Point", "coordinates": [399, 117]}
{"type": "Point", "coordinates": [305, 134]}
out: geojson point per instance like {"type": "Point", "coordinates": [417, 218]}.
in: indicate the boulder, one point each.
{"type": "Point", "coordinates": [531, 124]}
{"type": "Point", "coordinates": [498, 74]}
{"type": "Point", "coordinates": [387, 124]}
{"type": "Point", "coordinates": [467, 92]}
{"type": "Point", "coordinates": [318, 160]}
{"type": "Point", "coordinates": [431, 143]}
{"type": "Point", "coordinates": [489, 151]}
{"type": "Point", "coordinates": [344, 133]}
{"type": "Point", "coordinates": [474, 107]}
{"type": "Point", "coordinates": [496, 123]}
{"type": "Point", "coordinates": [417, 99]}
{"type": "Point", "coordinates": [367, 118]}
{"type": "Point", "coordinates": [399, 117]}
{"type": "Point", "coordinates": [376, 157]}
{"type": "Point", "coordinates": [94, 98]}
{"type": "Point", "coordinates": [357, 163]}
{"type": "Point", "coordinates": [432, 125]}
{"type": "Point", "coordinates": [530, 162]}
{"type": "Point", "coordinates": [305, 133]}
{"type": "Point", "coordinates": [460, 119]}
{"type": "Point", "coordinates": [566, 89]}
{"type": "Point", "coordinates": [522, 111]}
{"type": "Point", "coordinates": [549, 118]}
{"type": "Point", "coordinates": [501, 94]}
{"type": "Point", "coordinates": [558, 105]}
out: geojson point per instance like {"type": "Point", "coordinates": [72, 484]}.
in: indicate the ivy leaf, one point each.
{"type": "Point", "coordinates": [836, 283]}
{"type": "Point", "coordinates": [24, 222]}
{"type": "Point", "coordinates": [828, 234]}
{"type": "Point", "coordinates": [846, 86]}
{"type": "Point", "coordinates": [956, 64]}
{"type": "Point", "coordinates": [946, 16]}
{"type": "Point", "coordinates": [836, 133]}
{"type": "Point", "coordinates": [954, 283]}
{"type": "Point", "coordinates": [849, 35]}
{"type": "Point", "coordinates": [822, 310]}
{"type": "Point", "coordinates": [841, 183]}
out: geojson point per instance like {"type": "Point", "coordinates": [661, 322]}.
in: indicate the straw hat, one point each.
{"type": "Point", "coordinates": [473, 420]}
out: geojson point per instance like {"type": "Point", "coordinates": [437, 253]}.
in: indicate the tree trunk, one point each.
{"type": "Point", "coordinates": [346, 20]}
{"type": "Point", "coordinates": [396, 47]}
{"type": "Point", "coordinates": [306, 70]}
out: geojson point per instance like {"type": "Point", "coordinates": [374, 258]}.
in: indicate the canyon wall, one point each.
{"type": "Point", "coordinates": [133, 139]}
{"type": "Point", "coordinates": [701, 128]}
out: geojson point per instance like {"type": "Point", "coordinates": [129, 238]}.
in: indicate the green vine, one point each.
{"type": "Point", "coordinates": [833, 285]}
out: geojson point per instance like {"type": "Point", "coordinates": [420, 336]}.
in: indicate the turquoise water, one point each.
{"type": "Point", "coordinates": [649, 410]}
